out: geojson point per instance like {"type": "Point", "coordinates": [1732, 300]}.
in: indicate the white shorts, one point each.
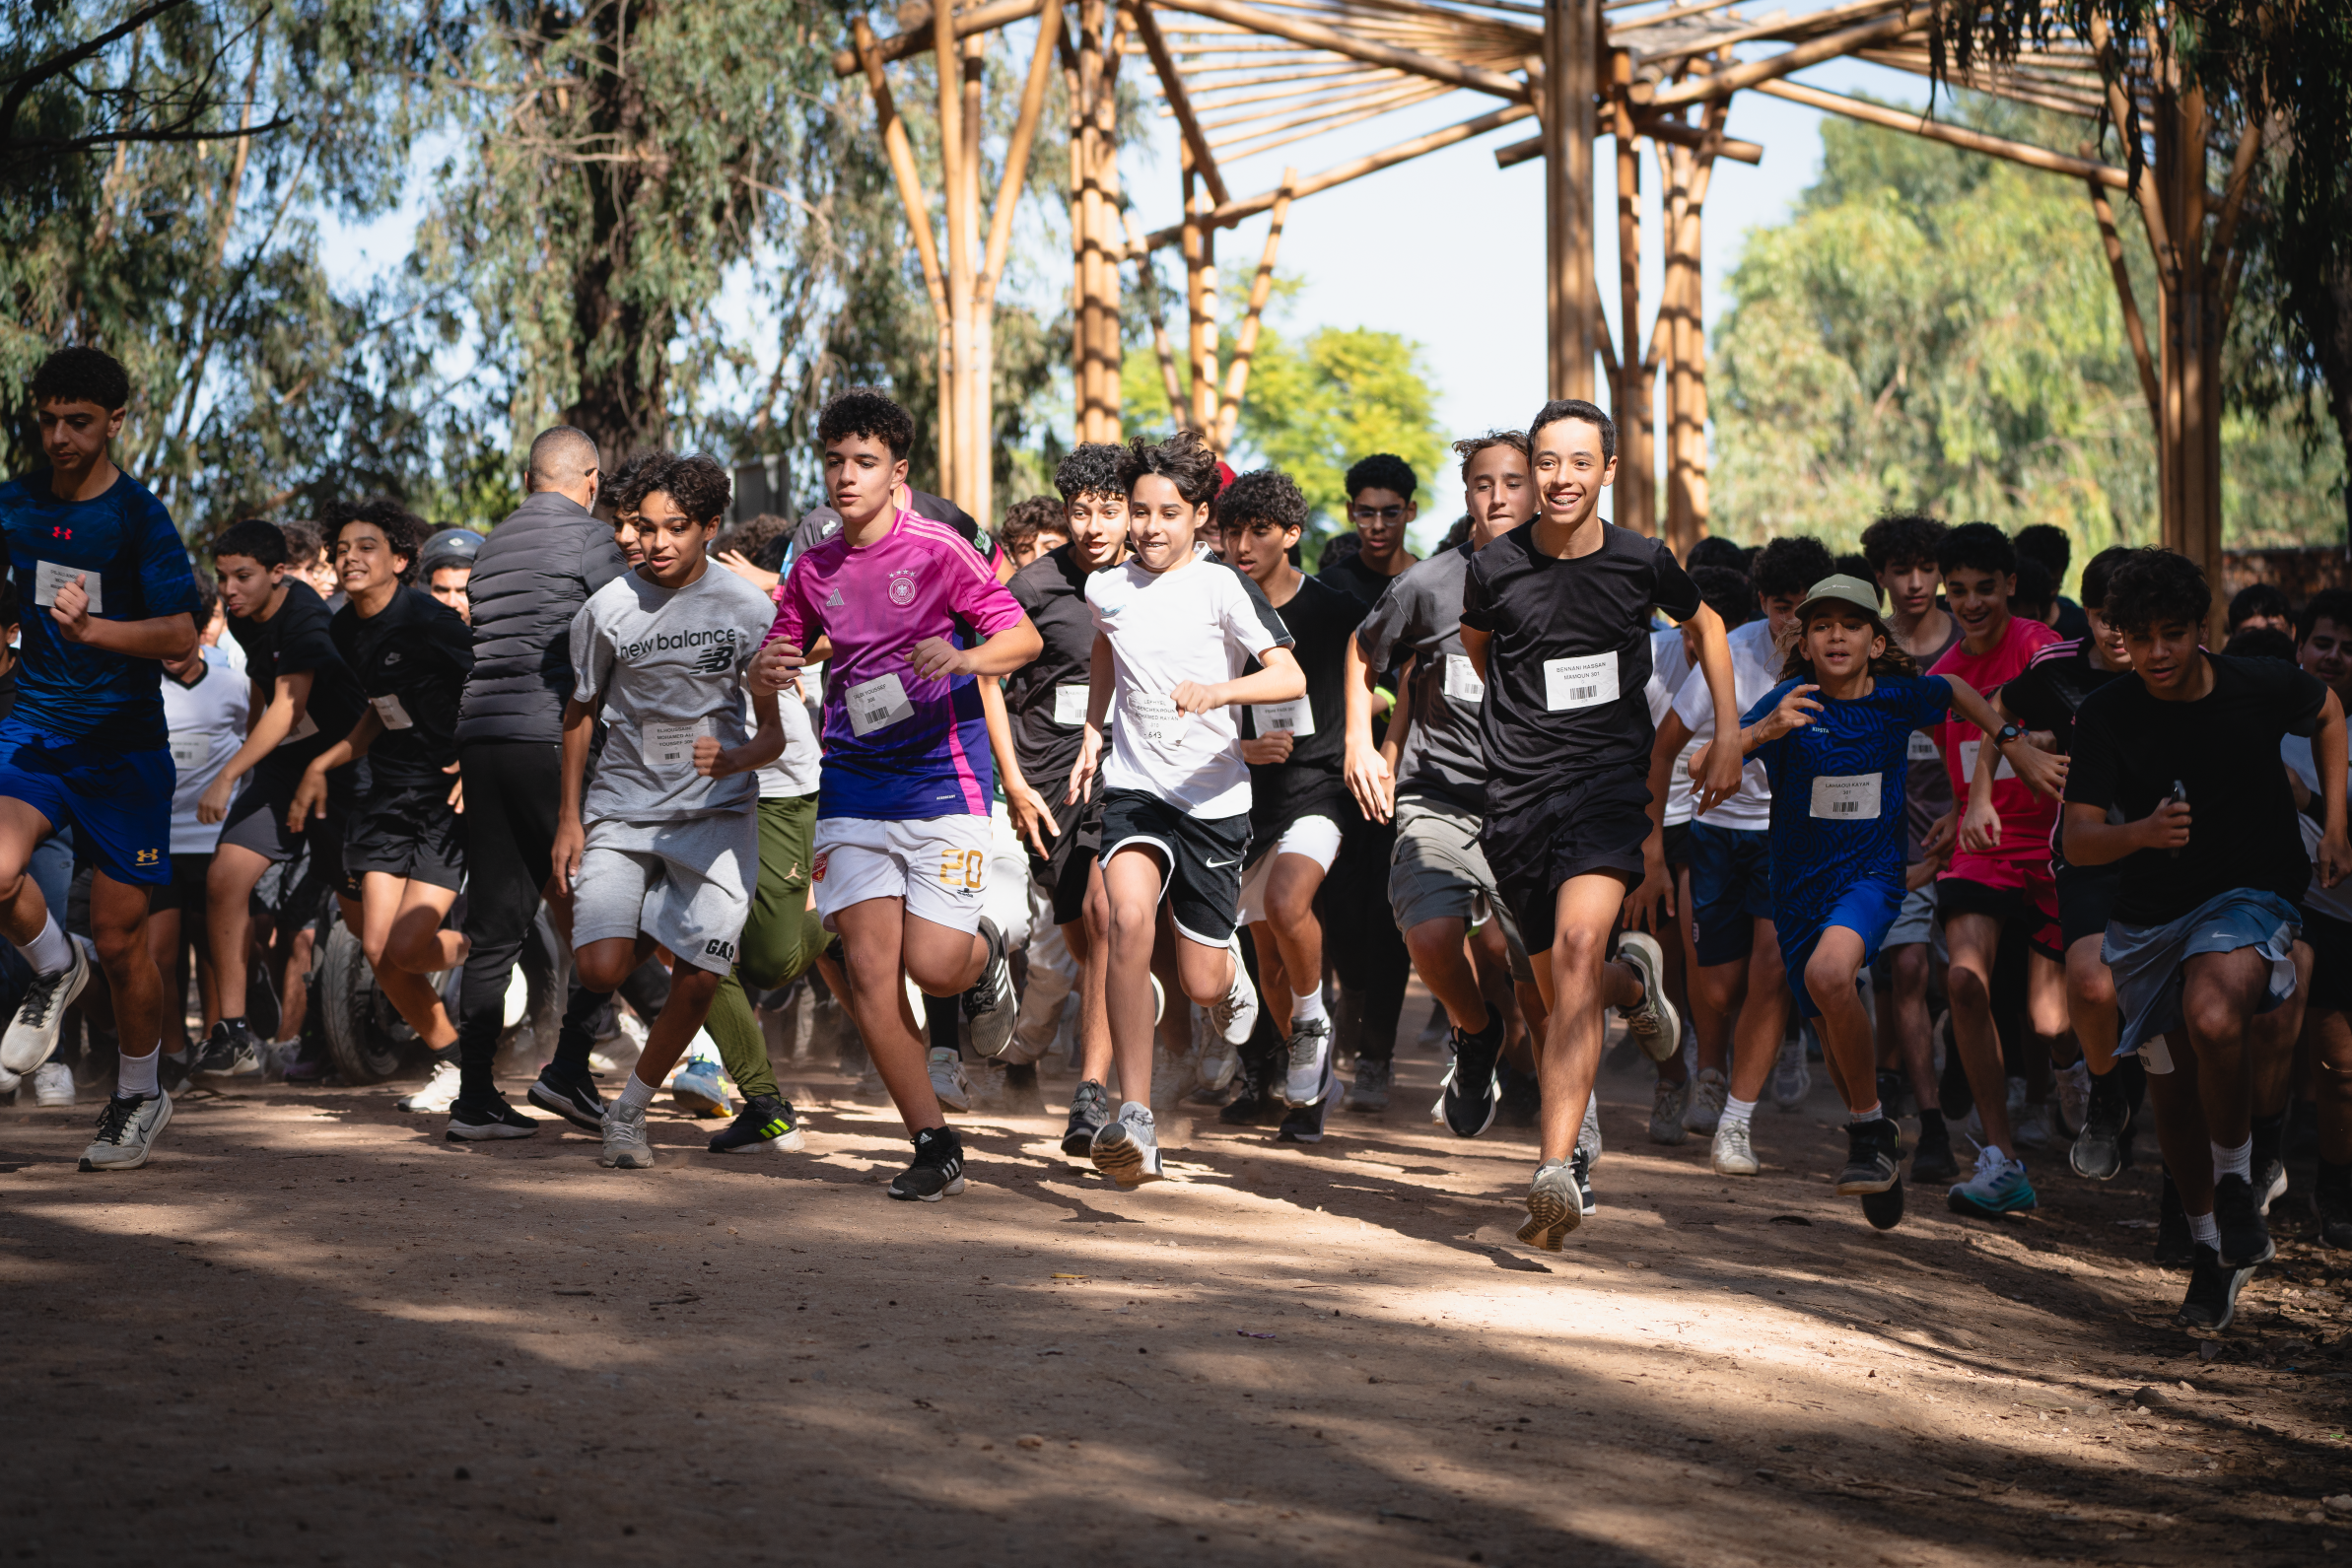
{"type": "Point", "coordinates": [1316, 838]}
{"type": "Point", "coordinates": [687, 884]}
{"type": "Point", "coordinates": [939, 865]}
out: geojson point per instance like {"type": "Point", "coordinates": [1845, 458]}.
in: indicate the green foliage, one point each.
{"type": "Point", "coordinates": [1937, 329]}
{"type": "Point", "coordinates": [1313, 407]}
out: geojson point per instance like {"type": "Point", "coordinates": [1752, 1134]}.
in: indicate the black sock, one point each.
{"type": "Point", "coordinates": [575, 1040]}
{"type": "Point", "coordinates": [1931, 1126]}
{"type": "Point", "coordinates": [2270, 1135]}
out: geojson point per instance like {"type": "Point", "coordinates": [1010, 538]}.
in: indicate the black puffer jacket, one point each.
{"type": "Point", "coordinates": [533, 574]}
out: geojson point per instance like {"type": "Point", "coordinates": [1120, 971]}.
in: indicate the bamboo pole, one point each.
{"type": "Point", "coordinates": [1107, 345]}
{"type": "Point", "coordinates": [1513, 154]}
{"type": "Point", "coordinates": [976, 414]}
{"type": "Point", "coordinates": [902, 167]}
{"type": "Point", "coordinates": [1635, 479]}
{"type": "Point", "coordinates": [1088, 220]}
{"type": "Point", "coordinates": [949, 57]}
{"type": "Point", "coordinates": [1722, 83]}
{"type": "Point", "coordinates": [1245, 344]}
{"type": "Point", "coordinates": [1148, 280]}
{"type": "Point", "coordinates": [1171, 83]}
{"type": "Point", "coordinates": [1315, 35]}
{"type": "Point", "coordinates": [2133, 328]}
{"type": "Point", "coordinates": [1572, 40]}
{"type": "Point", "coordinates": [917, 39]}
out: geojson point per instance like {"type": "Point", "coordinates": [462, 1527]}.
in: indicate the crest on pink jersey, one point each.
{"type": "Point", "coordinates": [902, 588]}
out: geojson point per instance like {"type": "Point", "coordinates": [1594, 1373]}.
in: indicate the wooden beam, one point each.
{"type": "Point", "coordinates": [1016, 153]}
{"type": "Point", "coordinates": [1913, 124]}
{"type": "Point", "coordinates": [1233, 212]}
{"type": "Point", "coordinates": [917, 39]}
{"type": "Point", "coordinates": [1237, 377]}
{"type": "Point", "coordinates": [903, 170]}
{"type": "Point", "coordinates": [1571, 62]}
{"type": "Point", "coordinates": [1722, 83]}
{"type": "Point", "coordinates": [1180, 103]}
{"type": "Point", "coordinates": [2133, 328]}
{"type": "Point", "coordinates": [1513, 154]}
{"type": "Point", "coordinates": [1794, 30]}
{"type": "Point", "coordinates": [1475, 77]}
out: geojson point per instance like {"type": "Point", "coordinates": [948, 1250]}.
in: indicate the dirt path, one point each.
{"type": "Point", "coordinates": [311, 1332]}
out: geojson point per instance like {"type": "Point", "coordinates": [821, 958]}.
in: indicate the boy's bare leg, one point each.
{"type": "Point", "coordinates": [1974, 939]}
{"type": "Point", "coordinates": [1582, 981]}
{"type": "Point", "coordinates": [871, 932]}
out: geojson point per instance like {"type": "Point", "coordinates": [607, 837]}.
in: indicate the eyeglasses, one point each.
{"type": "Point", "coordinates": [1380, 513]}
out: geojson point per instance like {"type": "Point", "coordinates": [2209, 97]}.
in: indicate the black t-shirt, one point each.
{"type": "Point", "coordinates": [2072, 622]}
{"type": "Point", "coordinates": [299, 639]}
{"type": "Point", "coordinates": [1045, 700]}
{"type": "Point", "coordinates": [1320, 619]}
{"type": "Point", "coordinates": [1570, 657]}
{"type": "Point", "coordinates": [2129, 749]}
{"type": "Point", "coordinates": [412, 660]}
{"type": "Point", "coordinates": [1355, 579]}
{"type": "Point", "coordinates": [2047, 692]}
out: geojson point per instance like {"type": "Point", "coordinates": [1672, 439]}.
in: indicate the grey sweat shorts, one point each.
{"type": "Point", "coordinates": [1439, 871]}
{"type": "Point", "coordinates": [2148, 963]}
{"type": "Point", "coordinates": [686, 883]}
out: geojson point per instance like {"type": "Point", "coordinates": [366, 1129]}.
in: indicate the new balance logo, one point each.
{"type": "Point", "coordinates": [714, 948]}
{"type": "Point", "coordinates": [717, 659]}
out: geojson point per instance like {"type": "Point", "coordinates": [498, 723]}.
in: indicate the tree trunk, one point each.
{"type": "Point", "coordinates": [620, 349]}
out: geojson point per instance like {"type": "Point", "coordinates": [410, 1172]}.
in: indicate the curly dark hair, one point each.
{"type": "Point", "coordinates": [870, 413]}
{"type": "Point", "coordinates": [695, 481]}
{"type": "Point", "coordinates": [1092, 468]}
{"type": "Point", "coordinates": [1183, 459]}
{"type": "Point", "coordinates": [2150, 584]}
{"type": "Point", "coordinates": [1455, 537]}
{"type": "Point", "coordinates": [624, 486]}
{"type": "Point", "coordinates": [1380, 471]}
{"type": "Point", "coordinates": [1976, 547]}
{"type": "Point", "coordinates": [1726, 592]}
{"type": "Point", "coordinates": [2256, 599]}
{"type": "Point", "coordinates": [1716, 551]}
{"type": "Point", "coordinates": [2096, 573]}
{"type": "Point", "coordinates": [401, 528]}
{"type": "Point", "coordinates": [1900, 539]}
{"type": "Point", "coordinates": [81, 376]}
{"type": "Point", "coordinates": [1265, 495]}
{"type": "Point", "coordinates": [2035, 592]}
{"type": "Point", "coordinates": [2329, 604]}
{"type": "Point", "coordinates": [1560, 408]}
{"type": "Point", "coordinates": [1025, 519]}
{"type": "Point", "coordinates": [1470, 447]}
{"type": "Point", "coordinates": [762, 541]}
{"type": "Point", "coordinates": [2262, 641]}
{"type": "Point", "coordinates": [1788, 567]}
{"type": "Point", "coordinates": [2048, 544]}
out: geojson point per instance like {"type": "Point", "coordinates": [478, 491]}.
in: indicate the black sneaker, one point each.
{"type": "Point", "coordinates": [2175, 1248]}
{"type": "Point", "coordinates": [2213, 1286]}
{"type": "Point", "coordinates": [1873, 1158]}
{"type": "Point", "coordinates": [2331, 1200]}
{"type": "Point", "coordinates": [1472, 1092]}
{"type": "Point", "coordinates": [990, 1007]}
{"type": "Point", "coordinates": [2270, 1182]}
{"type": "Point", "coordinates": [764, 1123]}
{"type": "Point", "coordinates": [2245, 1235]}
{"type": "Point", "coordinates": [1932, 1161]}
{"type": "Point", "coordinates": [2098, 1151]}
{"type": "Point", "coordinates": [1304, 1123]}
{"type": "Point", "coordinates": [937, 1170]}
{"type": "Point", "coordinates": [575, 1099]}
{"type": "Point", "coordinates": [1580, 1166]}
{"type": "Point", "coordinates": [232, 1050]}
{"type": "Point", "coordinates": [483, 1123]}
{"type": "Point", "coordinates": [1521, 1101]}
{"type": "Point", "coordinates": [1089, 1109]}
{"type": "Point", "coordinates": [1251, 1106]}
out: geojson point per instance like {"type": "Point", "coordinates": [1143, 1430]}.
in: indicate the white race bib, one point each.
{"type": "Point", "coordinates": [388, 709]}
{"type": "Point", "coordinates": [1462, 683]}
{"type": "Point", "coordinates": [1070, 703]}
{"type": "Point", "coordinates": [190, 748]}
{"type": "Point", "coordinates": [1847, 798]}
{"type": "Point", "coordinates": [303, 728]}
{"type": "Point", "coordinates": [668, 745]}
{"type": "Point", "coordinates": [1968, 763]}
{"type": "Point", "coordinates": [1922, 748]}
{"type": "Point", "coordinates": [48, 577]}
{"type": "Point", "coordinates": [1571, 683]}
{"type": "Point", "coordinates": [877, 704]}
{"type": "Point", "coordinates": [1155, 716]}
{"type": "Point", "coordinates": [1296, 715]}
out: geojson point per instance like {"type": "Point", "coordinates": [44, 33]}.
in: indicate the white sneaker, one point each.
{"type": "Point", "coordinates": [1235, 1013]}
{"type": "Point", "coordinates": [52, 1085]}
{"type": "Point", "coordinates": [517, 1000]}
{"type": "Point", "coordinates": [438, 1095]}
{"type": "Point", "coordinates": [1708, 1090]}
{"type": "Point", "coordinates": [1308, 1063]}
{"type": "Point", "coordinates": [1127, 1150]}
{"type": "Point", "coordinates": [1733, 1155]}
{"type": "Point", "coordinates": [625, 1144]}
{"type": "Point", "coordinates": [1792, 1078]}
{"type": "Point", "coordinates": [947, 1080]}
{"type": "Point", "coordinates": [126, 1133]}
{"type": "Point", "coordinates": [31, 1037]}
{"type": "Point", "coordinates": [2074, 1097]}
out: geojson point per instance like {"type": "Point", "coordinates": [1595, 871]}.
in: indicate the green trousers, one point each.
{"type": "Point", "coordinates": [781, 938]}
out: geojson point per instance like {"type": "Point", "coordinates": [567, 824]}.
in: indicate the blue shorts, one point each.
{"type": "Point", "coordinates": [117, 802]}
{"type": "Point", "coordinates": [1731, 889]}
{"type": "Point", "coordinates": [1867, 909]}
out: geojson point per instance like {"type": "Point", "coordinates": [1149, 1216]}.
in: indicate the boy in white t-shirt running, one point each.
{"type": "Point", "coordinates": [1174, 631]}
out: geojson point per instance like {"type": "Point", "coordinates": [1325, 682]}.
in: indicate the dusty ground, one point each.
{"type": "Point", "coordinates": [1283, 1355]}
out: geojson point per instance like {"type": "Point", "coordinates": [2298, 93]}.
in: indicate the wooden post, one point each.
{"type": "Point", "coordinates": [1635, 505]}
{"type": "Point", "coordinates": [1245, 343]}
{"type": "Point", "coordinates": [975, 415]}
{"type": "Point", "coordinates": [1199, 297]}
{"type": "Point", "coordinates": [1095, 322]}
{"type": "Point", "coordinates": [956, 351]}
{"type": "Point", "coordinates": [1571, 46]}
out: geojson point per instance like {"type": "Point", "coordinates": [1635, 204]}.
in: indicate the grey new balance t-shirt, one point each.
{"type": "Point", "coordinates": [1420, 615]}
{"type": "Point", "coordinates": [667, 666]}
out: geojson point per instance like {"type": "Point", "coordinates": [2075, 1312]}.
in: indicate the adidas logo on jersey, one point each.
{"type": "Point", "coordinates": [834, 603]}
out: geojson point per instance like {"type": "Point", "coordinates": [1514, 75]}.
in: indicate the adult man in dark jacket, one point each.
{"type": "Point", "coordinates": [533, 574]}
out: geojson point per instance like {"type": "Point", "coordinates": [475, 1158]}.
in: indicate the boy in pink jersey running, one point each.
{"type": "Point", "coordinates": [905, 615]}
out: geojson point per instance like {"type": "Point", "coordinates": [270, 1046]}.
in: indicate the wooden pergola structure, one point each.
{"type": "Point", "coordinates": [1243, 78]}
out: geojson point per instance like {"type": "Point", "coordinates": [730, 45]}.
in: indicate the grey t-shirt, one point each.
{"type": "Point", "coordinates": [1421, 616]}
{"type": "Point", "coordinates": [667, 666]}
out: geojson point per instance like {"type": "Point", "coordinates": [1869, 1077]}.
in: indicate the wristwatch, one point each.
{"type": "Point", "coordinates": [2008, 733]}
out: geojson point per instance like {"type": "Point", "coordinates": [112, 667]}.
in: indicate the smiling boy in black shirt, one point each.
{"type": "Point", "coordinates": [1555, 616]}
{"type": "Point", "coordinates": [2211, 865]}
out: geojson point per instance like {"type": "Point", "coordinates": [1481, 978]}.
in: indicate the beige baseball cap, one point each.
{"type": "Point", "coordinates": [1841, 589]}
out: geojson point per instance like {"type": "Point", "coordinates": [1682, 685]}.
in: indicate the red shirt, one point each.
{"type": "Point", "coordinates": [2025, 817]}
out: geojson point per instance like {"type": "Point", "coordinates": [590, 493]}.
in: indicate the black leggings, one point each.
{"type": "Point", "coordinates": [1362, 939]}
{"type": "Point", "coordinates": [512, 793]}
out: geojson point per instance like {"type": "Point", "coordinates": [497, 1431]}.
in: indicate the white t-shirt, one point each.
{"type": "Point", "coordinates": [207, 722]}
{"type": "Point", "coordinates": [1670, 662]}
{"type": "Point", "coordinates": [2337, 900]}
{"type": "Point", "coordinates": [1754, 670]}
{"type": "Point", "coordinates": [1203, 622]}
{"type": "Point", "coordinates": [795, 773]}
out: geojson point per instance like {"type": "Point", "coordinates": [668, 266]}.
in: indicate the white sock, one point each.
{"type": "Point", "coordinates": [1876, 1113]}
{"type": "Point", "coordinates": [2204, 1232]}
{"type": "Point", "coordinates": [2237, 1161]}
{"type": "Point", "coordinates": [50, 951]}
{"type": "Point", "coordinates": [136, 1075]}
{"type": "Point", "coordinates": [636, 1094]}
{"type": "Point", "coordinates": [1736, 1113]}
{"type": "Point", "coordinates": [1308, 1007]}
